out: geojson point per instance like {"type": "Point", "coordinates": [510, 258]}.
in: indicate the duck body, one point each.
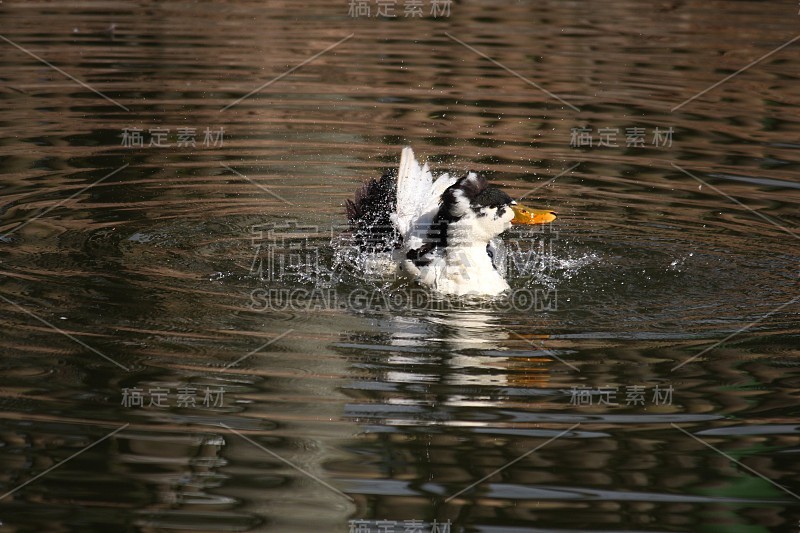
{"type": "Point", "coordinates": [441, 233]}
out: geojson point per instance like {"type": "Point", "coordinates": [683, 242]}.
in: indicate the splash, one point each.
{"type": "Point", "coordinates": [530, 267]}
{"type": "Point", "coordinates": [678, 264]}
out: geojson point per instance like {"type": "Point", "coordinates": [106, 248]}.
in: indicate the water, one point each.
{"type": "Point", "coordinates": [143, 282]}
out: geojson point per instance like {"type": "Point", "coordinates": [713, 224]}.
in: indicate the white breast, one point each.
{"type": "Point", "coordinates": [460, 271]}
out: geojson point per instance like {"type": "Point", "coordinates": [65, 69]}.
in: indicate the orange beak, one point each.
{"type": "Point", "coordinates": [528, 216]}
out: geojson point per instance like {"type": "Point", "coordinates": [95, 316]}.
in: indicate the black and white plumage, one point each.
{"type": "Point", "coordinates": [439, 232]}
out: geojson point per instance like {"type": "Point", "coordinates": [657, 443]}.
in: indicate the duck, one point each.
{"type": "Point", "coordinates": [443, 233]}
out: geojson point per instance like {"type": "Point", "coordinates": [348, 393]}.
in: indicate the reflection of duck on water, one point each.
{"type": "Point", "coordinates": [475, 348]}
{"type": "Point", "coordinates": [438, 232]}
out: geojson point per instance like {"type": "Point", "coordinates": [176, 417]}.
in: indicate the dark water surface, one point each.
{"type": "Point", "coordinates": [132, 272]}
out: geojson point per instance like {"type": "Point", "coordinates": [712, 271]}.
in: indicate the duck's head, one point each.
{"type": "Point", "coordinates": [482, 212]}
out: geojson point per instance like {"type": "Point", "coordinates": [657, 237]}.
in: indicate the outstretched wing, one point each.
{"type": "Point", "coordinates": [417, 198]}
{"type": "Point", "coordinates": [413, 185]}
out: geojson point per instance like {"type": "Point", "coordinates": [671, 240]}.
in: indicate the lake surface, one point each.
{"type": "Point", "coordinates": [189, 344]}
